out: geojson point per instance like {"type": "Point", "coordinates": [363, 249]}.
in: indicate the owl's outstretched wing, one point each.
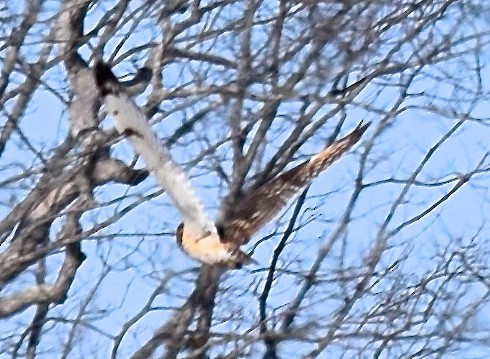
{"type": "Point", "coordinates": [130, 121]}
{"type": "Point", "coordinates": [260, 205]}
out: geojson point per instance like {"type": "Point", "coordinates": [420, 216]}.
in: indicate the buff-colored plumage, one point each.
{"type": "Point", "coordinates": [130, 121]}
{"type": "Point", "coordinates": [200, 237]}
{"type": "Point", "coordinates": [260, 205]}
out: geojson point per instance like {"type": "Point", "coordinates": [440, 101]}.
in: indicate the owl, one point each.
{"type": "Point", "coordinates": [215, 243]}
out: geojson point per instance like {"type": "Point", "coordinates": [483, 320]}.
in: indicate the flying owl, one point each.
{"type": "Point", "coordinates": [201, 238]}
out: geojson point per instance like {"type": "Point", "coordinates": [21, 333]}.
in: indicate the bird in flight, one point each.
{"type": "Point", "coordinates": [201, 238]}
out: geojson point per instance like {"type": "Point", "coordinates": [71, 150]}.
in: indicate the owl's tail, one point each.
{"type": "Point", "coordinates": [239, 259]}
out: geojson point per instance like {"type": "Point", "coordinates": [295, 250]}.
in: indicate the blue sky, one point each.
{"type": "Point", "coordinates": [140, 258]}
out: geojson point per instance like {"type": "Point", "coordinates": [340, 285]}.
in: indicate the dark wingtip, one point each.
{"type": "Point", "coordinates": [362, 127]}
{"type": "Point", "coordinates": [359, 130]}
{"type": "Point", "coordinates": [105, 80]}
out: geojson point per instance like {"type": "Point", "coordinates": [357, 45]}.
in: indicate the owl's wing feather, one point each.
{"type": "Point", "coordinates": [130, 121]}
{"type": "Point", "coordinates": [260, 205]}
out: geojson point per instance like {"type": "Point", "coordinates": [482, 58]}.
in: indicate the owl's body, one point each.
{"type": "Point", "coordinates": [211, 249]}
{"type": "Point", "coordinates": [199, 237]}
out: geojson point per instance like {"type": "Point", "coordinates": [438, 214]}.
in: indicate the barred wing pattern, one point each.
{"type": "Point", "coordinates": [130, 121]}
{"type": "Point", "coordinates": [199, 236]}
{"type": "Point", "coordinates": [260, 205]}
